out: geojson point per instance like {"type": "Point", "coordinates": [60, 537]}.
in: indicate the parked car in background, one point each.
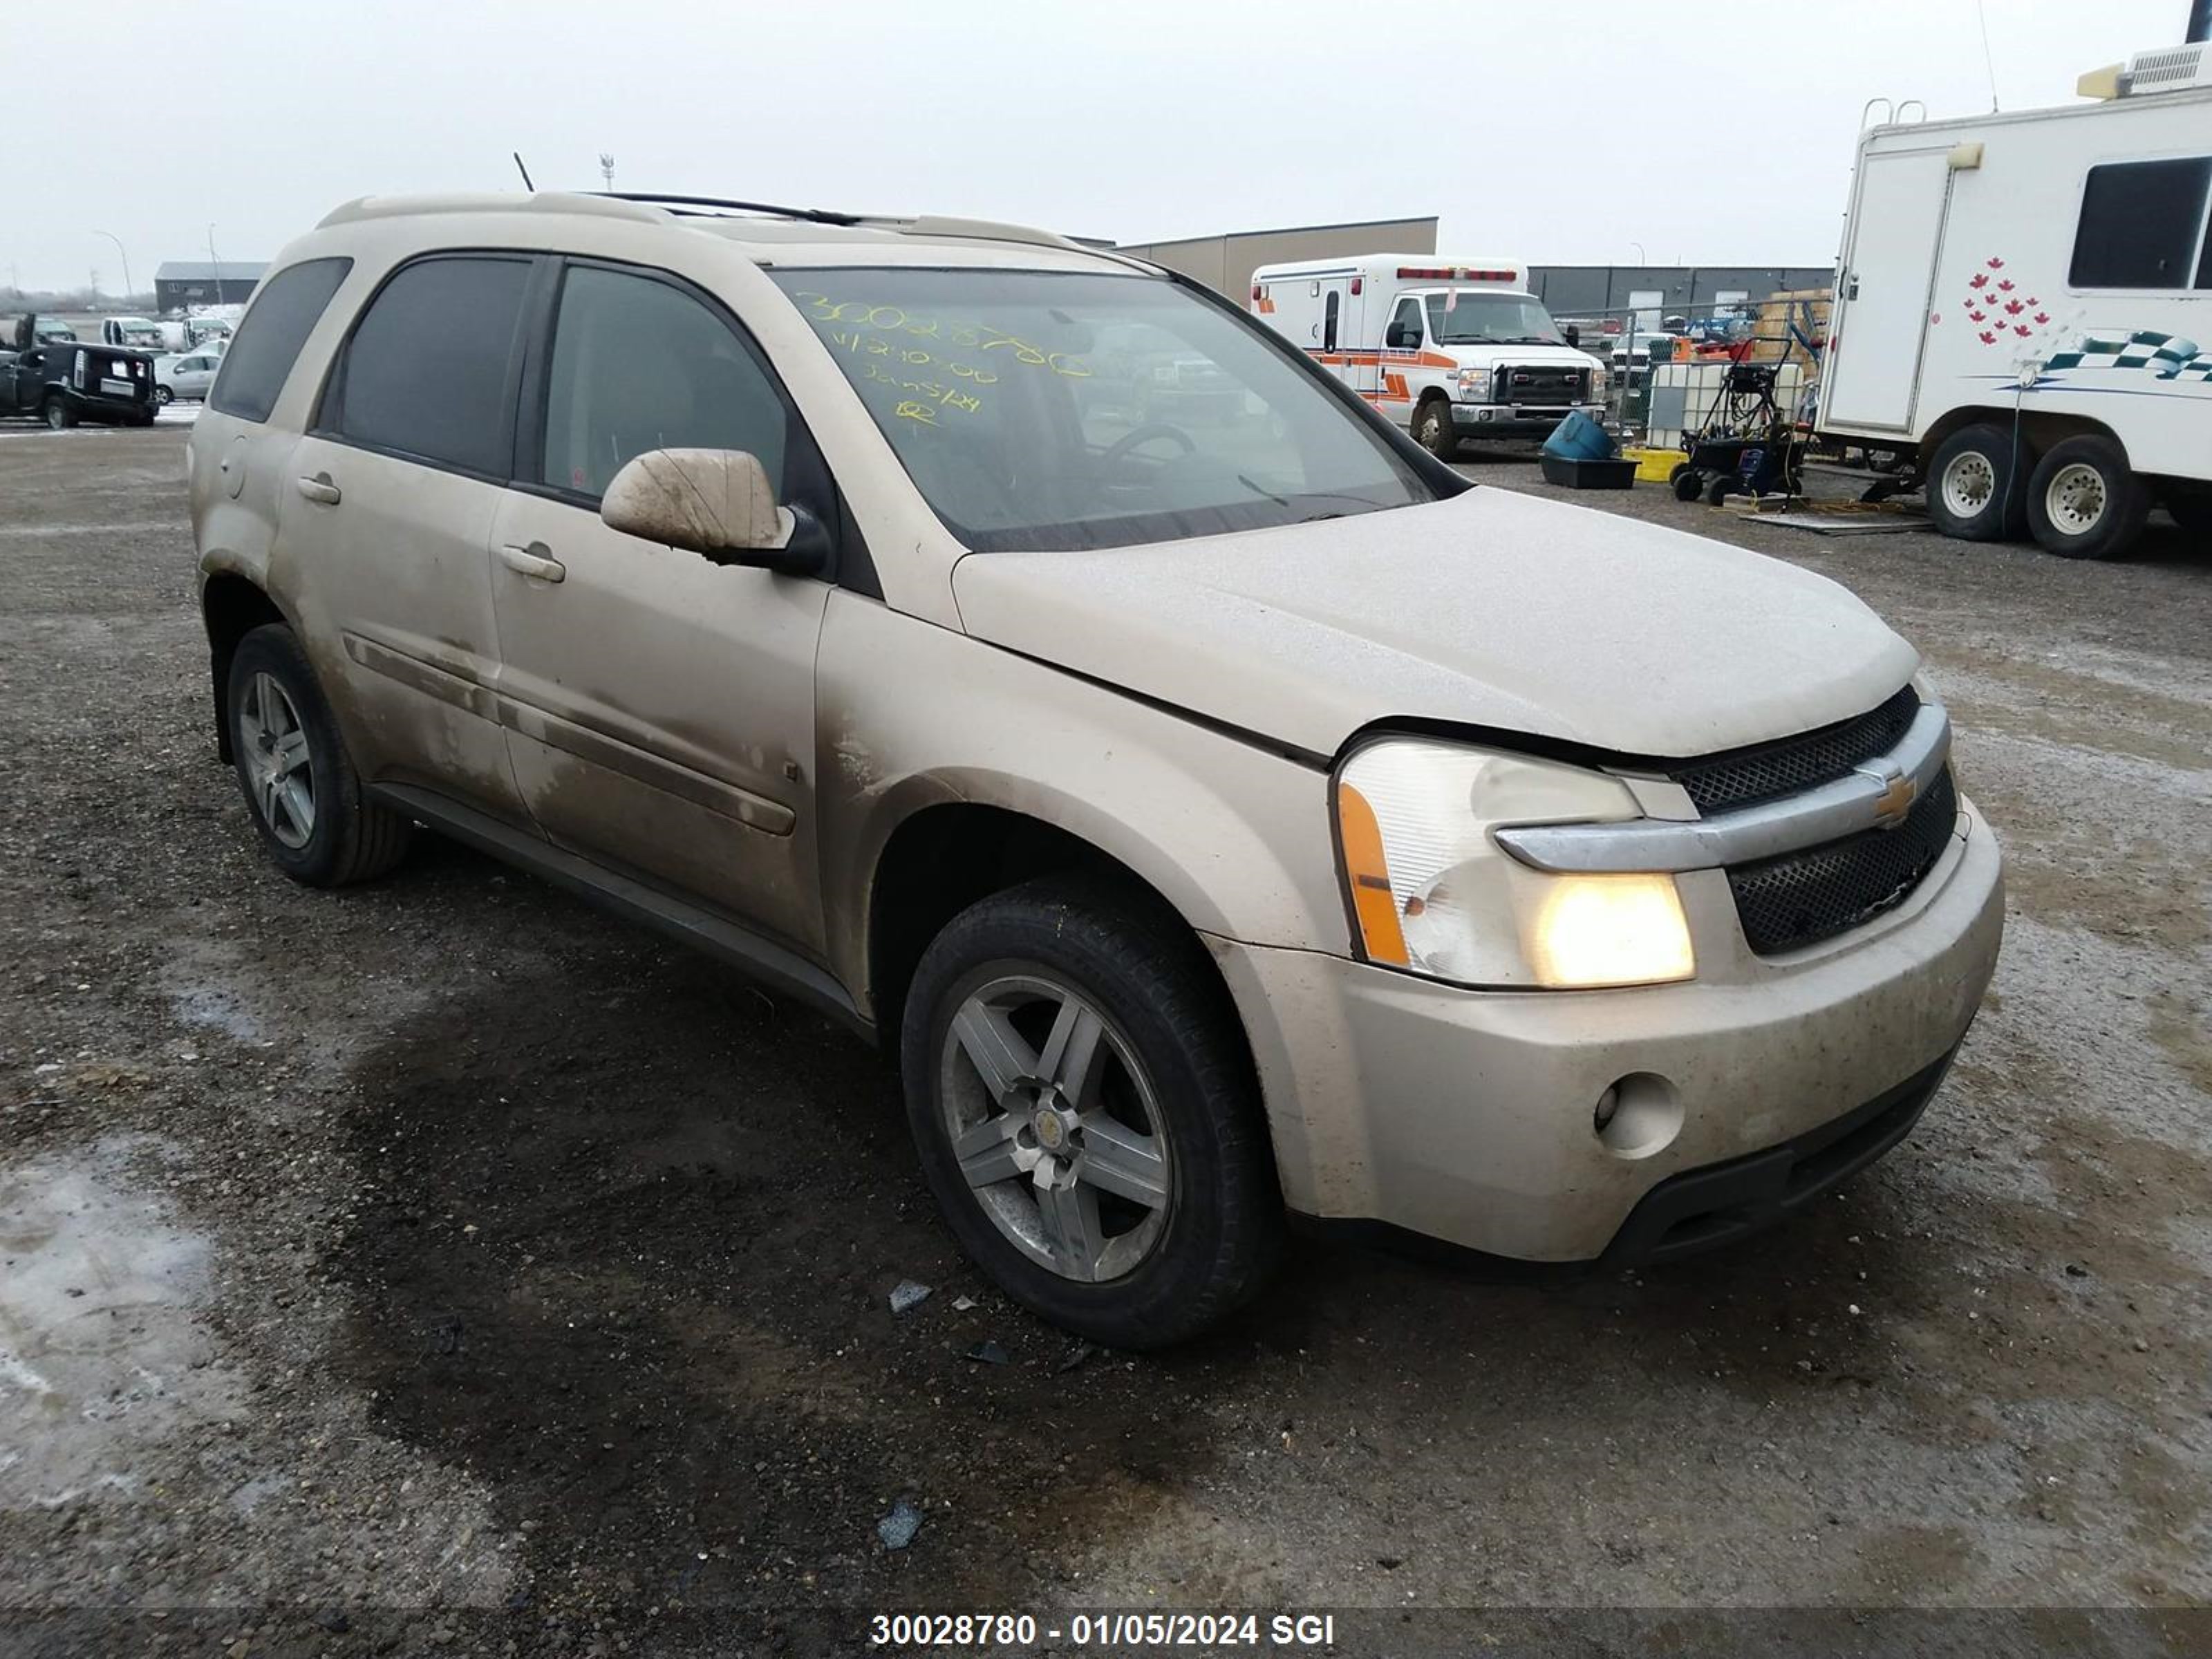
{"type": "Point", "coordinates": [64, 383]}
{"type": "Point", "coordinates": [187, 375]}
{"type": "Point", "coordinates": [25, 329]}
{"type": "Point", "coordinates": [139, 333]}
{"type": "Point", "coordinates": [1213, 818]}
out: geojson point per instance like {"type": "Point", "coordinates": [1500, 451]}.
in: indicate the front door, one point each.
{"type": "Point", "coordinates": [388, 503]}
{"type": "Point", "coordinates": [1879, 329]}
{"type": "Point", "coordinates": [660, 706]}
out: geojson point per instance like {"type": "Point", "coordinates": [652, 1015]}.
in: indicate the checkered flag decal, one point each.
{"type": "Point", "coordinates": [2168, 356]}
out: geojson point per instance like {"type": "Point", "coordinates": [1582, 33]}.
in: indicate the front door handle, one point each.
{"type": "Point", "coordinates": [320, 488]}
{"type": "Point", "coordinates": [531, 562]}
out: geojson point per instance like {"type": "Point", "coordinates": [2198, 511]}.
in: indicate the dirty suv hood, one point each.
{"type": "Point", "coordinates": [1492, 609]}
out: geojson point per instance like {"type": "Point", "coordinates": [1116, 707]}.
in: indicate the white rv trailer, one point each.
{"type": "Point", "coordinates": [1449, 349]}
{"type": "Point", "coordinates": [2023, 304]}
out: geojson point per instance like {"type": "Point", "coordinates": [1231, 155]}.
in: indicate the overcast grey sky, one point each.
{"type": "Point", "coordinates": [1539, 130]}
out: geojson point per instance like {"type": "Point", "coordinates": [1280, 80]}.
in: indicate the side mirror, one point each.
{"type": "Point", "coordinates": [717, 503]}
{"type": "Point", "coordinates": [1574, 334]}
{"type": "Point", "coordinates": [1399, 337]}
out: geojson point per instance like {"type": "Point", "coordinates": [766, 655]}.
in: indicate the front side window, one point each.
{"type": "Point", "coordinates": [426, 372]}
{"type": "Point", "coordinates": [2142, 225]}
{"type": "Point", "coordinates": [638, 364]}
{"type": "Point", "coordinates": [1074, 410]}
{"type": "Point", "coordinates": [1471, 317]}
{"type": "Point", "coordinates": [284, 313]}
{"type": "Point", "coordinates": [1408, 321]}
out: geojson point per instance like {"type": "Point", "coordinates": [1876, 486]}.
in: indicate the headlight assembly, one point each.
{"type": "Point", "coordinates": [1434, 893]}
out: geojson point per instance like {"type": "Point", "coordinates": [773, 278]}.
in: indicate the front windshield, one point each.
{"type": "Point", "coordinates": [1073, 409]}
{"type": "Point", "coordinates": [1470, 316]}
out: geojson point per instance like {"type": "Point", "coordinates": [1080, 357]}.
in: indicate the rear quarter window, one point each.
{"type": "Point", "coordinates": [276, 324]}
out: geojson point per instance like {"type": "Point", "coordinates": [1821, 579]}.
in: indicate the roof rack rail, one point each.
{"type": "Point", "coordinates": [660, 198]}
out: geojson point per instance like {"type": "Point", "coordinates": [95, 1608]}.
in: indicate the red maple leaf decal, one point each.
{"type": "Point", "coordinates": [2041, 317]}
{"type": "Point", "coordinates": [2005, 286]}
{"type": "Point", "coordinates": [1979, 316]}
{"type": "Point", "coordinates": [2032, 301]}
{"type": "Point", "coordinates": [1987, 338]}
{"type": "Point", "coordinates": [1995, 263]}
{"type": "Point", "coordinates": [2022, 330]}
{"type": "Point", "coordinates": [1979, 280]}
{"type": "Point", "coordinates": [2013, 307]}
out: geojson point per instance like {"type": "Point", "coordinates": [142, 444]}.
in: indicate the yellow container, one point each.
{"type": "Point", "coordinates": [1656, 465]}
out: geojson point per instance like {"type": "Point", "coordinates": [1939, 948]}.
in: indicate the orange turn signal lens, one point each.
{"type": "Point", "coordinates": [1369, 871]}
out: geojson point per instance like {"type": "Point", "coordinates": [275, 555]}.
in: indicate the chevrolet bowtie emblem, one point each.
{"type": "Point", "coordinates": [1895, 801]}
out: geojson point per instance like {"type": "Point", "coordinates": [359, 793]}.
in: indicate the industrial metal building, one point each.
{"type": "Point", "coordinates": [181, 283]}
{"type": "Point", "coordinates": [1225, 264]}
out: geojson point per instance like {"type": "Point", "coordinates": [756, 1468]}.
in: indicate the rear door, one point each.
{"type": "Point", "coordinates": [661, 706]}
{"type": "Point", "coordinates": [391, 500]}
{"type": "Point", "coordinates": [1879, 331]}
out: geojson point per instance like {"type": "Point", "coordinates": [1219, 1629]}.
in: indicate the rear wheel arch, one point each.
{"type": "Point", "coordinates": [231, 606]}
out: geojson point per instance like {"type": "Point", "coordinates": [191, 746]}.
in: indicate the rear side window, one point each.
{"type": "Point", "coordinates": [2142, 223]}
{"type": "Point", "coordinates": [277, 324]}
{"type": "Point", "coordinates": [428, 371]}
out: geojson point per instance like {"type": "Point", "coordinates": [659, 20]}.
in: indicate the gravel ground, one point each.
{"type": "Point", "coordinates": [442, 1245]}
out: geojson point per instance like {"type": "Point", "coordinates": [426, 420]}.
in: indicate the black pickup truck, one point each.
{"type": "Point", "coordinates": [62, 383]}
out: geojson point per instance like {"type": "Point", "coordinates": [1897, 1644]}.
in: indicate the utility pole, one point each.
{"type": "Point", "coordinates": [607, 167]}
{"type": "Point", "coordinates": [95, 287]}
{"type": "Point", "coordinates": [127, 289]}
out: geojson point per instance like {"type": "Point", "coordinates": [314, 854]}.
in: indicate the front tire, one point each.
{"type": "Point", "coordinates": [1434, 431]}
{"type": "Point", "coordinates": [1086, 1114]}
{"type": "Point", "coordinates": [2084, 500]}
{"type": "Point", "coordinates": [1974, 488]}
{"type": "Point", "coordinates": [300, 784]}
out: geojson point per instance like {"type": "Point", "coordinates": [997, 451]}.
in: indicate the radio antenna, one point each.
{"type": "Point", "coordinates": [525, 172]}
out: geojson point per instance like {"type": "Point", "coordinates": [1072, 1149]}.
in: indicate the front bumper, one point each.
{"type": "Point", "coordinates": [1515, 420]}
{"type": "Point", "coordinates": [1466, 1116]}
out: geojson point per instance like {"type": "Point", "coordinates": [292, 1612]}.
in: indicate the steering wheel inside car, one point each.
{"type": "Point", "coordinates": [1145, 433]}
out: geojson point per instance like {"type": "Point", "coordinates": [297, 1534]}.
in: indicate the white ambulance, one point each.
{"type": "Point", "coordinates": [2023, 308]}
{"type": "Point", "coordinates": [1447, 348]}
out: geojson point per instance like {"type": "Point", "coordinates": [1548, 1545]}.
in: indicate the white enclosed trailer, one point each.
{"type": "Point", "coordinates": [2024, 306]}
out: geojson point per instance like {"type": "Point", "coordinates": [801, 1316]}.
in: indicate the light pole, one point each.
{"type": "Point", "coordinates": [607, 167]}
{"type": "Point", "coordinates": [215, 265]}
{"type": "Point", "coordinates": [127, 289]}
{"type": "Point", "coordinates": [1640, 257]}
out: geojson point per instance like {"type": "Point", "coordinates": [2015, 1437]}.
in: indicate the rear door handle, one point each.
{"type": "Point", "coordinates": [320, 488]}
{"type": "Point", "coordinates": [531, 562]}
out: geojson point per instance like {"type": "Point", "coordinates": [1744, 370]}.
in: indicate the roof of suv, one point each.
{"type": "Point", "coordinates": [767, 235]}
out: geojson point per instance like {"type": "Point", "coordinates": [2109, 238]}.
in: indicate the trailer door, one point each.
{"type": "Point", "coordinates": [1879, 331]}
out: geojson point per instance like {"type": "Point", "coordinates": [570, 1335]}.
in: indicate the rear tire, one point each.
{"type": "Point", "coordinates": [2085, 501]}
{"type": "Point", "coordinates": [1433, 429]}
{"type": "Point", "coordinates": [164, 396]}
{"type": "Point", "coordinates": [1686, 483]}
{"type": "Point", "coordinates": [300, 784]}
{"type": "Point", "coordinates": [60, 418]}
{"type": "Point", "coordinates": [1720, 488]}
{"type": "Point", "coordinates": [1183, 1221]}
{"type": "Point", "coordinates": [1977, 488]}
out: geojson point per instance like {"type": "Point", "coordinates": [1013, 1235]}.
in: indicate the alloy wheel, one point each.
{"type": "Point", "coordinates": [1055, 1127]}
{"type": "Point", "coordinates": [278, 761]}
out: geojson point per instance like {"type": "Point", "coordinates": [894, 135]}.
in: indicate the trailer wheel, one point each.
{"type": "Point", "coordinates": [1433, 429]}
{"type": "Point", "coordinates": [1686, 483]}
{"type": "Point", "coordinates": [1720, 488]}
{"type": "Point", "coordinates": [1974, 485]}
{"type": "Point", "coordinates": [59, 416]}
{"type": "Point", "coordinates": [2084, 500]}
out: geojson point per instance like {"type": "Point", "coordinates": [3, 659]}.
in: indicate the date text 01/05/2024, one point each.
{"type": "Point", "coordinates": [1164, 1631]}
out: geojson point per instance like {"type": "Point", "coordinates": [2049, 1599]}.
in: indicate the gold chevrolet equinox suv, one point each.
{"type": "Point", "coordinates": [1219, 809]}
